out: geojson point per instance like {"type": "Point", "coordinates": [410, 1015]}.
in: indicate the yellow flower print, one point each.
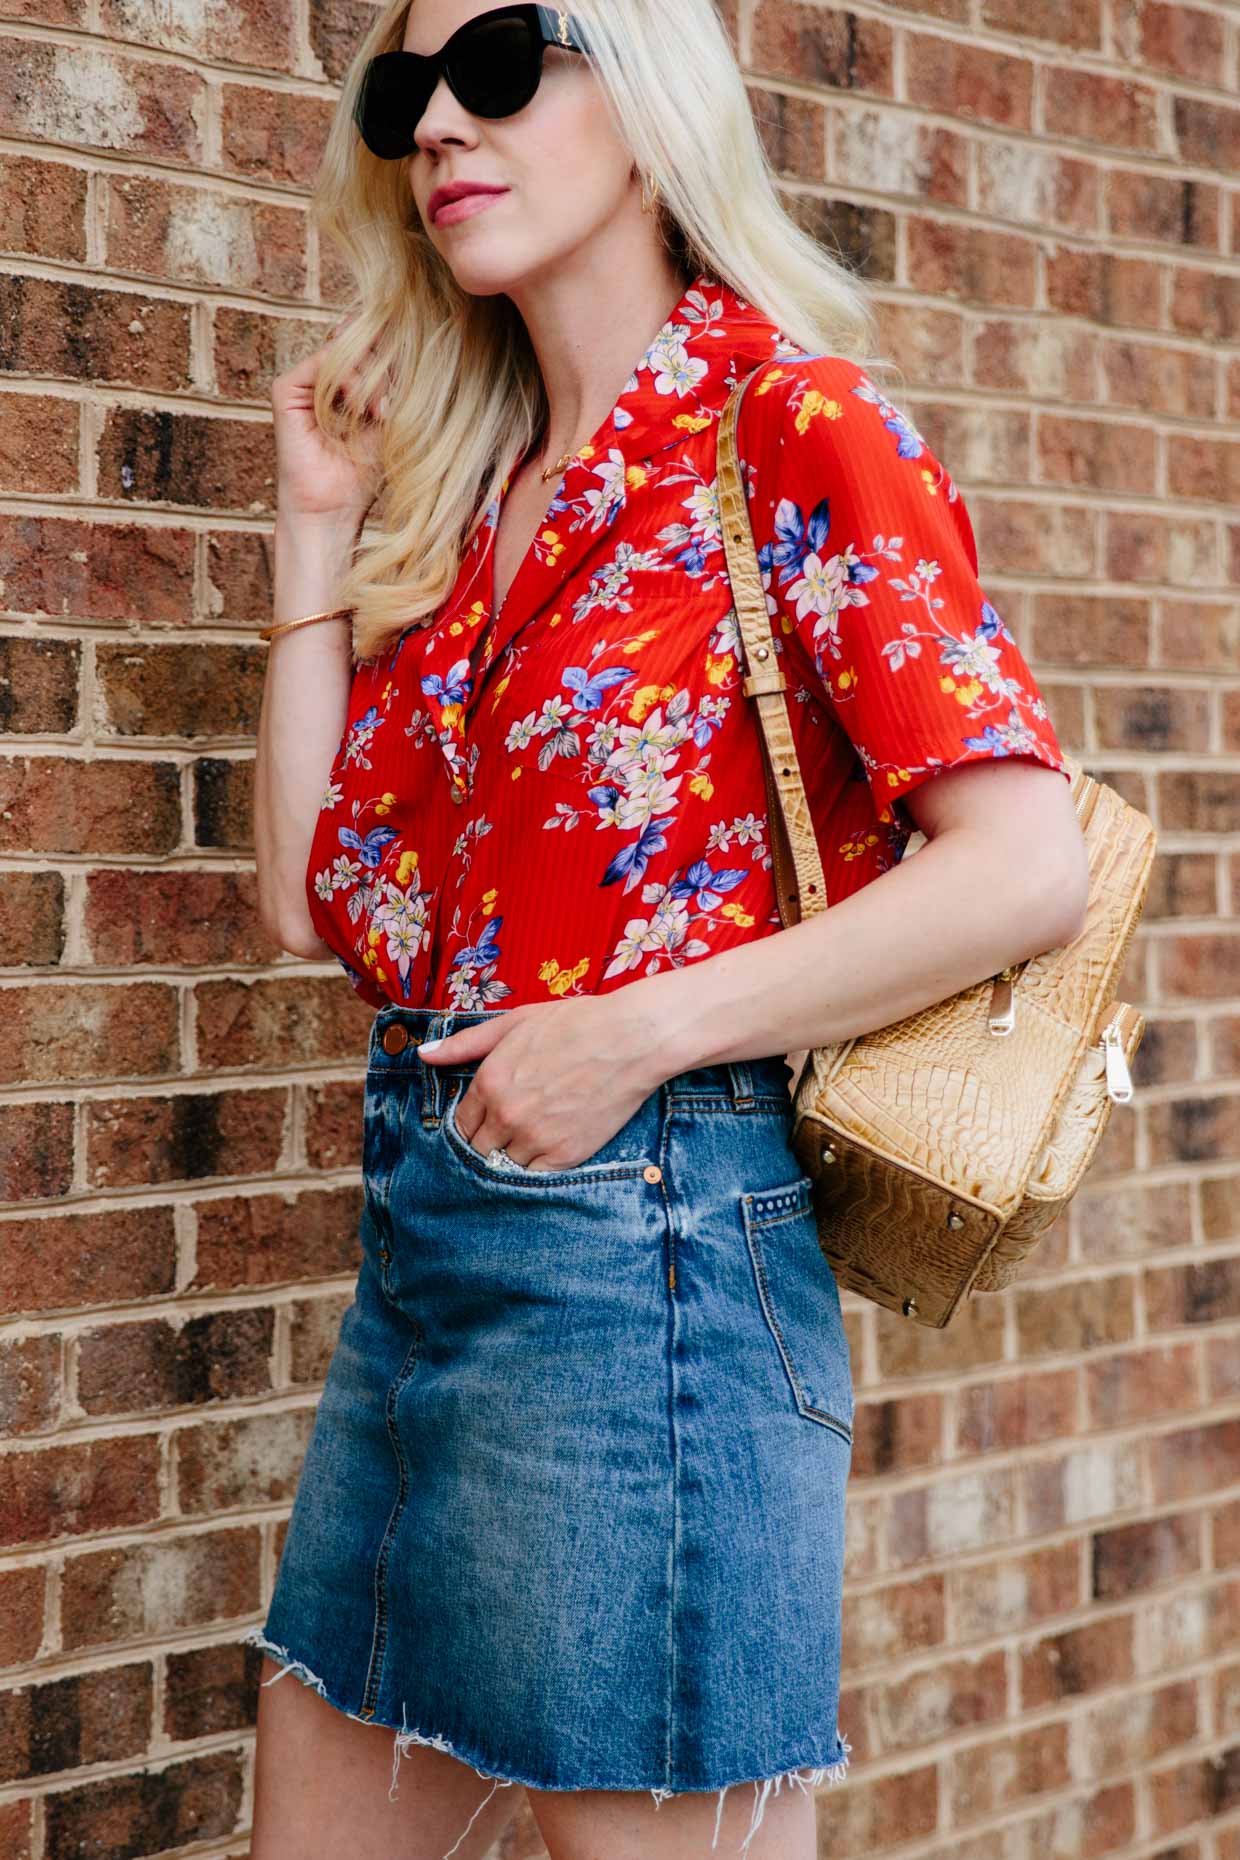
{"type": "Point", "coordinates": [647, 697]}
{"type": "Point", "coordinates": [635, 477]}
{"type": "Point", "coordinates": [969, 694]}
{"type": "Point", "coordinates": [847, 681]}
{"type": "Point", "coordinates": [719, 670]}
{"type": "Point", "coordinates": [476, 615]}
{"type": "Point", "coordinates": [816, 403]}
{"type": "Point", "coordinates": [385, 804]}
{"type": "Point", "coordinates": [854, 848]}
{"type": "Point", "coordinates": [488, 900]}
{"type": "Point", "coordinates": [552, 547]}
{"type": "Point", "coordinates": [689, 423]}
{"type": "Point", "coordinates": [702, 785]}
{"type": "Point", "coordinates": [927, 478]}
{"type": "Point", "coordinates": [740, 918]}
{"type": "Point", "coordinates": [639, 640]}
{"type": "Point", "coordinates": [500, 688]}
{"type": "Point", "coordinates": [768, 381]}
{"type": "Point", "coordinates": [897, 775]}
{"type": "Point", "coordinates": [407, 867]}
{"type": "Point", "coordinates": [587, 452]}
{"type": "Point", "coordinates": [559, 981]}
{"type": "Point", "coordinates": [555, 620]}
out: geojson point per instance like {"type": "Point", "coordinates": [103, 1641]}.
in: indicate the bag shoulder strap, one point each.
{"type": "Point", "coordinates": [800, 886]}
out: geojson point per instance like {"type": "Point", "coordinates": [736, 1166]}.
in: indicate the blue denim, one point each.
{"type": "Point", "coordinates": [573, 1505]}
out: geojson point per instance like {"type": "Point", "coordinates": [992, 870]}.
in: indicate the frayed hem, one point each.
{"type": "Point", "coordinates": [805, 1778]}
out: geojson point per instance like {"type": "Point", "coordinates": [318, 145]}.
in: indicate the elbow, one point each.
{"type": "Point", "coordinates": [1063, 894]}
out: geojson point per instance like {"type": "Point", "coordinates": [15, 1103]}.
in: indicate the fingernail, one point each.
{"type": "Point", "coordinates": [428, 1046]}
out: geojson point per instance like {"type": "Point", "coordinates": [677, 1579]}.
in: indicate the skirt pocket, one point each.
{"type": "Point", "coordinates": [801, 1301]}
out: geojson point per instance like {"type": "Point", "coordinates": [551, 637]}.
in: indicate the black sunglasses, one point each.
{"type": "Point", "coordinates": [493, 64]}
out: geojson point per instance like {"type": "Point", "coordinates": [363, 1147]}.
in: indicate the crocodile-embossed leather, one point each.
{"type": "Point", "coordinates": [939, 1150]}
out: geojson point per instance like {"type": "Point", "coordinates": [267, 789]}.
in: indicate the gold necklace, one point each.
{"type": "Point", "coordinates": [565, 458]}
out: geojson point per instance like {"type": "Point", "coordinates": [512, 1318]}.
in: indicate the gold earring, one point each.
{"type": "Point", "coordinates": [650, 193]}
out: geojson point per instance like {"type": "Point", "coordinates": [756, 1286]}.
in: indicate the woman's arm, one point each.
{"type": "Point", "coordinates": [303, 716]}
{"type": "Point", "coordinates": [1002, 876]}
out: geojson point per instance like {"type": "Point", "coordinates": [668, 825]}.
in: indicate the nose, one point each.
{"type": "Point", "coordinates": [445, 121]}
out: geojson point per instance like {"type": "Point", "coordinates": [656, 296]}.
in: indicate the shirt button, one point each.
{"type": "Point", "coordinates": [395, 1038]}
{"type": "Point", "coordinates": [652, 1172]}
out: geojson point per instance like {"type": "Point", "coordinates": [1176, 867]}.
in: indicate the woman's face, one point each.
{"type": "Point", "coordinates": [565, 171]}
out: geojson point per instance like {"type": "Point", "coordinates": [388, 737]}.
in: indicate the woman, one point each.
{"type": "Point", "coordinates": [567, 1519]}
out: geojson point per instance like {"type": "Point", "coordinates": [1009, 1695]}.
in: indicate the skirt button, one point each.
{"type": "Point", "coordinates": [395, 1038]}
{"type": "Point", "coordinates": [652, 1172]}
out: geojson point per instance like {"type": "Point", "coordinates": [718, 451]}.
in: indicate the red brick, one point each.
{"type": "Point", "coordinates": [29, 1384]}
{"type": "Point", "coordinates": [1131, 1386]}
{"type": "Point", "coordinates": [21, 1616]}
{"type": "Point", "coordinates": [150, 1809]}
{"type": "Point", "coordinates": [1152, 1552]}
{"type": "Point", "coordinates": [892, 1435]}
{"type": "Point", "coordinates": [273, 1239]}
{"type": "Point", "coordinates": [1076, 1661]}
{"type": "Point", "coordinates": [111, 572]}
{"type": "Point", "coordinates": [52, 805]}
{"type": "Point", "coordinates": [208, 1690]}
{"type": "Point", "coordinates": [187, 1136]}
{"type": "Point", "coordinates": [50, 1492]}
{"type": "Point", "coordinates": [64, 1724]}
{"type": "Point", "coordinates": [133, 1368]}
{"type": "Point", "coordinates": [205, 919]}
{"type": "Point", "coordinates": [62, 1262]}
{"type": "Point", "coordinates": [158, 1589]}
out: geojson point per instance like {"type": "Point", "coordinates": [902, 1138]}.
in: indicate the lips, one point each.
{"type": "Point", "coordinates": [454, 191]}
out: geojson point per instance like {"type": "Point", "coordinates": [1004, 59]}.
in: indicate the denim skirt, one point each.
{"type": "Point", "coordinates": [572, 1508]}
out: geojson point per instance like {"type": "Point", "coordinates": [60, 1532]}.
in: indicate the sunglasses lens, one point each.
{"type": "Point", "coordinates": [495, 70]}
{"type": "Point", "coordinates": [389, 105]}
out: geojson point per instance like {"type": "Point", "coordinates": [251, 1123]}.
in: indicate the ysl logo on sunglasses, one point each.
{"type": "Point", "coordinates": [563, 27]}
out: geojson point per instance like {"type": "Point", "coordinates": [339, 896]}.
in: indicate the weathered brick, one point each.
{"type": "Point", "coordinates": [818, 46]}
{"type": "Point", "coordinates": [208, 1690]}
{"type": "Point", "coordinates": [313, 1332]}
{"type": "Point", "coordinates": [36, 1149]}
{"type": "Point", "coordinates": [223, 804]}
{"type": "Point", "coordinates": [1075, 1661]}
{"type": "Point", "coordinates": [149, 1811]}
{"type": "Point", "coordinates": [52, 1492]}
{"type": "Point", "coordinates": [100, 99]}
{"type": "Point", "coordinates": [224, 1465]}
{"type": "Point", "coordinates": [203, 236]}
{"type": "Point", "coordinates": [63, 1262]}
{"type": "Point", "coordinates": [132, 1368]}
{"type": "Point", "coordinates": [178, 690]}
{"type": "Point", "coordinates": [29, 1384]}
{"type": "Point", "coordinates": [21, 1617]}
{"type": "Point", "coordinates": [187, 1136]}
{"type": "Point", "coordinates": [92, 1031]}
{"type": "Point", "coordinates": [63, 1724]}
{"type": "Point", "coordinates": [155, 1590]}
{"type": "Point", "coordinates": [1132, 1557]}
{"type": "Point", "coordinates": [80, 332]}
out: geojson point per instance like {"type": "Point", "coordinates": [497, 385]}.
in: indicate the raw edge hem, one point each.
{"type": "Point", "coordinates": [806, 1778]}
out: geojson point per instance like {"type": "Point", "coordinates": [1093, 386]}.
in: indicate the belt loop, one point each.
{"type": "Point", "coordinates": [432, 1083]}
{"type": "Point", "coordinates": [741, 1083]}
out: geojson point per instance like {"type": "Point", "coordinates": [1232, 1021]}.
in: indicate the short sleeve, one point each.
{"type": "Point", "coordinates": [870, 565]}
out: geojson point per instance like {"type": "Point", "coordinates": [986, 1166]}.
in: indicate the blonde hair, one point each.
{"type": "Point", "coordinates": [465, 395]}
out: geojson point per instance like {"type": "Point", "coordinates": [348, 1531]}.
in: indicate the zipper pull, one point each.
{"type": "Point", "coordinates": [1119, 1079]}
{"type": "Point", "coordinates": [1003, 1002]}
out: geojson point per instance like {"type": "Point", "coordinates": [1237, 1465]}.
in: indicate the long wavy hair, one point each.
{"type": "Point", "coordinates": [465, 394]}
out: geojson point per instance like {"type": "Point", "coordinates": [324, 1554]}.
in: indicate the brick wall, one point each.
{"type": "Point", "coordinates": [1042, 1649]}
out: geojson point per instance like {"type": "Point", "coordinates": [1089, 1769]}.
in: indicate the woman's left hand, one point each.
{"type": "Point", "coordinates": [558, 1078]}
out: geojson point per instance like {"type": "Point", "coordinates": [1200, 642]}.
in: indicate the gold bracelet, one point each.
{"type": "Point", "coordinates": [286, 626]}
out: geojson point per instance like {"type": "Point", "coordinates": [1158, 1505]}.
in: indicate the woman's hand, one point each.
{"type": "Point", "coordinates": [558, 1080]}
{"type": "Point", "coordinates": [316, 476]}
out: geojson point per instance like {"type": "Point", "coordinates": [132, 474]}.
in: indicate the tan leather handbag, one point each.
{"type": "Point", "coordinates": [941, 1146]}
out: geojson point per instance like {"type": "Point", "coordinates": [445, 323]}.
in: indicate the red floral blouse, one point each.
{"type": "Point", "coordinates": [606, 769]}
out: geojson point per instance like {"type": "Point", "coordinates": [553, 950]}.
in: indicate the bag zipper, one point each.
{"type": "Point", "coordinates": [1119, 1078]}
{"type": "Point", "coordinates": [1003, 1001]}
